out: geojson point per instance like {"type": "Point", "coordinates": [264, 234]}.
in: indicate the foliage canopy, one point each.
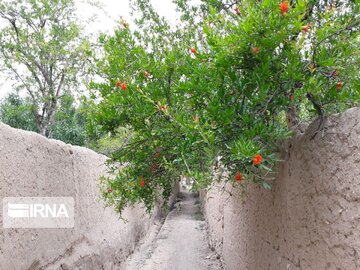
{"type": "Point", "coordinates": [70, 121]}
{"type": "Point", "coordinates": [219, 89]}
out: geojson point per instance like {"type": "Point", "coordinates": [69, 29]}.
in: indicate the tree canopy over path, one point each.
{"type": "Point", "coordinates": [220, 90]}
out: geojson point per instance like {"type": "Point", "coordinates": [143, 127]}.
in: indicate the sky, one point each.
{"type": "Point", "coordinates": [114, 9]}
{"type": "Point", "coordinates": [106, 19]}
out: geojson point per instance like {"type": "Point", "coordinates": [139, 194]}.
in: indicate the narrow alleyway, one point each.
{"type": "Point", "coordinates": [180, 244]}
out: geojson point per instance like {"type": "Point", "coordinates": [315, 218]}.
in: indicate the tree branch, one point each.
{"type": "Point", "coordinates": [319, 111]}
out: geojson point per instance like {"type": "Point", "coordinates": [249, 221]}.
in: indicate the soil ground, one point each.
{"type": "Point", "coordinates": [180, 243]}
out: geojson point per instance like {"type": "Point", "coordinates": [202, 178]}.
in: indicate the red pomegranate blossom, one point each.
{"type": "Point", "coordinates": [164, 108]}
{"type": "Point", "coordinates": [193, 50]}
{"type": "Point", "coordinates": [157, 153]}
{"type": "Point", "coordinates": [238, 176]}
{"type": "Point", "coordinates": [257, 159]}
{"type": "Point", "coordinates": [118, 83]}
{"type": "Point", "coordinates": [124, 86]}
{"type": "Point", "coordinates": [142, 183]}
{"type": "Point", "coordinates": [339, 86]}
{"type": "Point", "coordinates": [284, 7]}
{"type": "Point", "coordinates": [153, 167]}
{"type": "Point", "coordinates": [305, 28]}
{"type": "Point", "coordinates": [255, 50]}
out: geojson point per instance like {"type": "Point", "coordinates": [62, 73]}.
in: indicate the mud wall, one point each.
{"type": "Point", "coordinates": [311, 217]}
{"type": "Point", "coordinates": [33, 166]}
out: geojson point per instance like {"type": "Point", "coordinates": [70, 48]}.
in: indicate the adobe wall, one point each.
{"type": "Point", "coordinates": [311, 217]}
{"type": "Point", "coordinates": [31, 165]}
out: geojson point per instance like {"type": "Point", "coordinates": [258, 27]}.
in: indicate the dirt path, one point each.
{"type": "Point", "coordinates": [180, 244]}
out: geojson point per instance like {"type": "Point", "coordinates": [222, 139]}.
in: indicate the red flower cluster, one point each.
{"type": "Point", "coordinates": [339, 86]}
{"type": "Point", "coordinates": [146, 74]}
{"type": "Point", "coordinates": [122, 85]}
{"type": "Point", "coordinates": [164, 108]}
{"type": "Point", "coordinates": [257, 159]}
{"type": "Point", "coordinates": [238, 176]}
{"type": "Point", "coordinates": [193, 50]}
{"type": "Point", "coordinates": [153, 167]}
{"type": "Point", "coordinates": [284, 7]}
{"type": "Point", "coordinates": [255, 50]}
{"type": "Point", "coordinates": [157, 153]}
{"type": "Point", "coordinates": [305, 28]}
{"type": "Point", "coordinates": [142, 183]}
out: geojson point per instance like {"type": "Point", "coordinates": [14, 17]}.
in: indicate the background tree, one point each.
{"type": "Point", "coordinates": [42, 48]}
{"type": "Point", "coordinates": [17, 112]}
{"type": "Point", "coordinates": [70, 119]}
{"type": "Point", "coordinates": [70, 122]}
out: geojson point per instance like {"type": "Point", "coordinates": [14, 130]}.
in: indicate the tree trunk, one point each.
{"type": "Point", "coordinates": [292, 117]}
{"type": "Point", "coordinates": [44, 122]}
